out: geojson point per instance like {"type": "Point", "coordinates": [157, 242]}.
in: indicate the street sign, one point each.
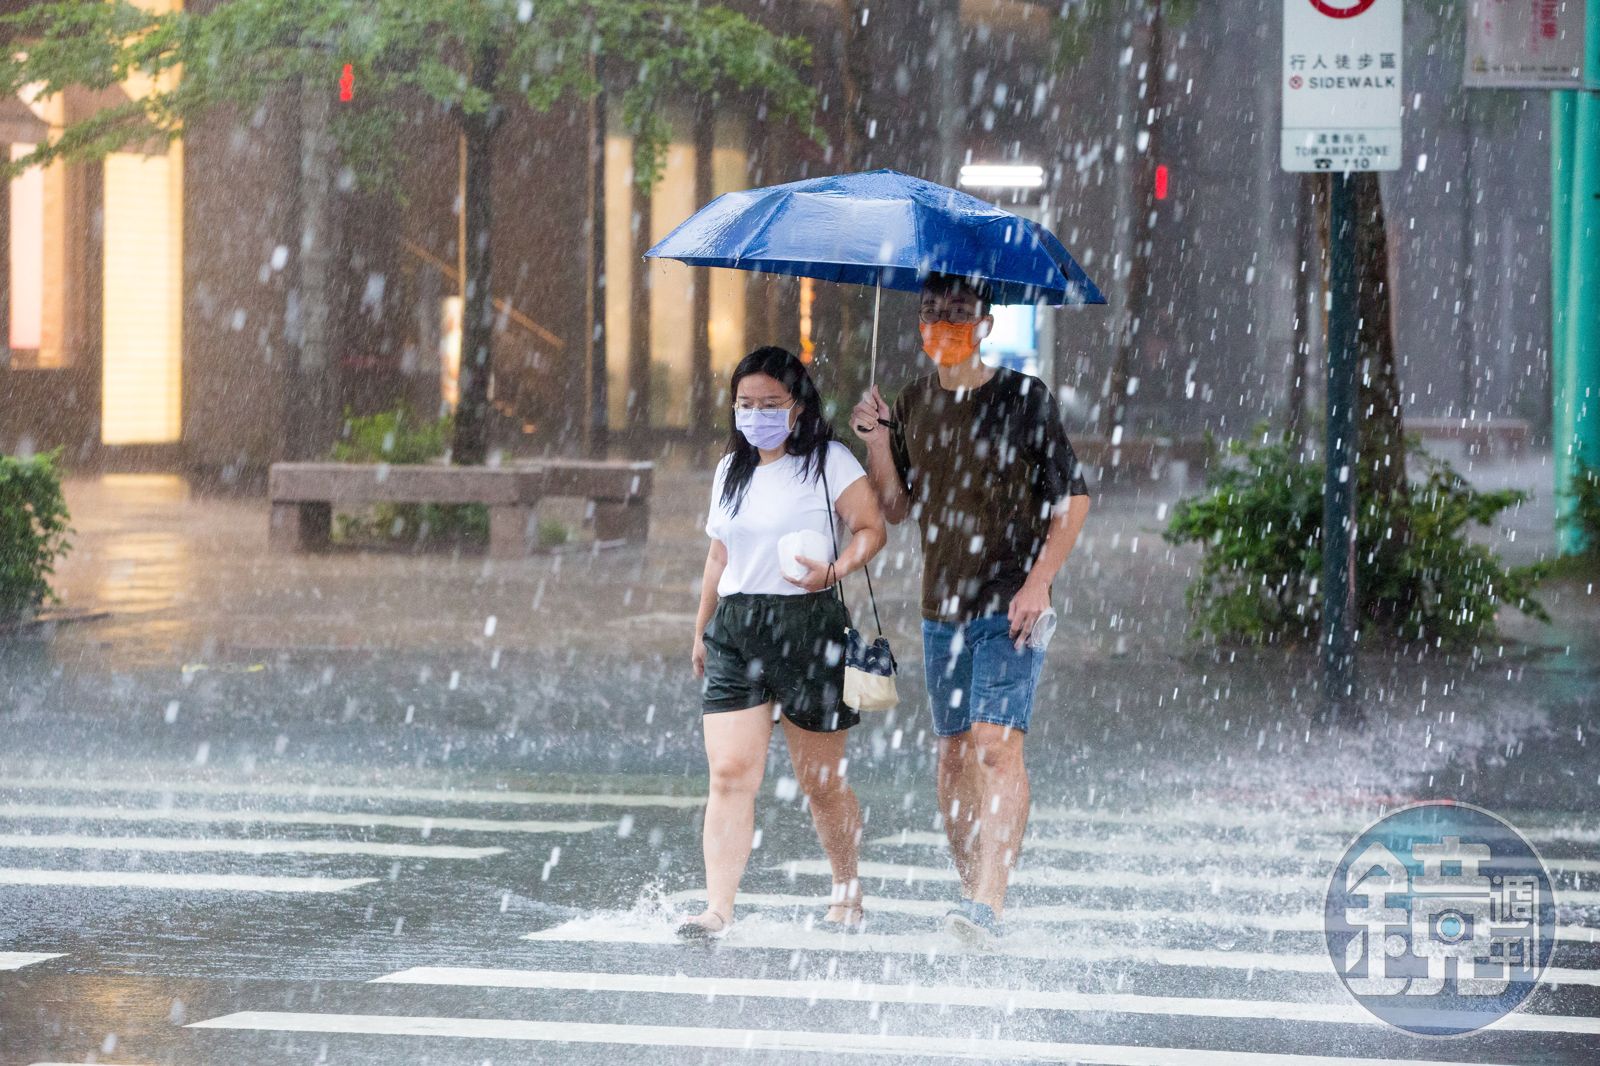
{"type": "Point", "coordinates": [1525, 44]}
{"type": "Point", "coordinates": [1341, 85]}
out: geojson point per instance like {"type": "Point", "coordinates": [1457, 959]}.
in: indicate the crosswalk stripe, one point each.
{"type": "Point", "coordinates": [1056, 877]}
{"type": "Point", "coordinates": [315, 791]}
{"type": "Point", "coordinates": [229, 845]}
{"type": "Point", "coordinates": [1140, 847]}
{"type": "Point", "coordinates": [16, 960]}
{"type": "Point", "coordinates": [1278, 821]}
{"type": "Point", "coordinates": [424, 823]}
{"type": "Point", "coordinates": [1274, 883]}
{"type": "Point", "coordinates": [1290, 922]}
{"type": "Point", "coordinates": [985, 1048]}
{"type": "Point", "coordinates": [1345, 1013]}
{"type": "Point", "coordinates": [177, 882]}
{"type": "Point", "coordinates": [931, 944]}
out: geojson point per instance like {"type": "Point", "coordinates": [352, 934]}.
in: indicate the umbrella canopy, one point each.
{"type": "Point", "coordinates": [880, 228]}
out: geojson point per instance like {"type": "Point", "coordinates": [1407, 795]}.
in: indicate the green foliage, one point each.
{"type": "Point", "coordinates": [1584, 518]}
{"type": "Point", "coordinates": [399, 437]}
{"type": "Point", "coordinates": [553, 533]}
{"type": "Point", "coordinates": [1080, 21]}
{"type": "Point", "coordinates": [1419, 576]}
{"type": "Point", "coordinates": [396, 436]}
{"type": "Point", "coordinates": [33, 531]}
{"type": "Point", "coordinates": [242, 52]}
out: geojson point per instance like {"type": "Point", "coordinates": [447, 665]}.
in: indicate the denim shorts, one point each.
{"type": "Point", "coordinates": [976, 674]}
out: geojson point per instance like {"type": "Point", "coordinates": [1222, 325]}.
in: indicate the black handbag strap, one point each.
{"type": "Point", "coordinates": [833, 531]}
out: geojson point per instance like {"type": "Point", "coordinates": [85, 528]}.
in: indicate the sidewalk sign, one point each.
{"type": "Point", "coordinates": [1341, 82]}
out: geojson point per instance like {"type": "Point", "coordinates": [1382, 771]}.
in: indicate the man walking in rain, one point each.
{"type": "Point", "coordinates": [978, 456]}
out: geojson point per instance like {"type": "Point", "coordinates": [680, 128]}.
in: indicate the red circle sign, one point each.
{"type": "Point", "coordinates": [1342, 9]}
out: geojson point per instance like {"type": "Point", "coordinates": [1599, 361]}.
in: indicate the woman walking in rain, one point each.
{"type": "Point", "coordinates": [770, 631]}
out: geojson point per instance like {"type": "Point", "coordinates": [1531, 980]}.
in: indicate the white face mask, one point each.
{"type": "Point", "coordinates": [763, 429]}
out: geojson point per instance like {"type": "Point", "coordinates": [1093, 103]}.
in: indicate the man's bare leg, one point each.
{"type": "Point", "coordinates": [1002, 814]}
{"type": "Point", "coordinates": [960, 785]}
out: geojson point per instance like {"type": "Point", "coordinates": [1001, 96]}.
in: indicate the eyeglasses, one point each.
{"type": "Point", "coordinates": [956, 316]}
{"type": "Point", "coordinates": [762, 405]}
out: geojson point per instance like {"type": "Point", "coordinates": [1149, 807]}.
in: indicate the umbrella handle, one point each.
{"type": "Point", "coordinates": [877, 299]}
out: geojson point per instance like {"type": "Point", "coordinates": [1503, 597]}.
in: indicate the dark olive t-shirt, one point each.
{"type": "Point", "coordinates": [983, 467]}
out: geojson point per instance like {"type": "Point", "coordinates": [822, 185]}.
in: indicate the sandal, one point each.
{"type": "Point", "coordinates": [696, 930]}
{"type": "Point", "coordinates": [855, 915]}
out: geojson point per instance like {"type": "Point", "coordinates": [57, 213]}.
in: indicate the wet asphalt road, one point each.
{"type": "Point", "coordinates": [315, 878]}
{"type": "Point", "coordinates": [243, 822]}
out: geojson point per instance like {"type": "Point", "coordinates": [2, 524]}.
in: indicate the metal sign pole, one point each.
{"type": "Point", "coordinates": [1339, 490]}
{"type": "Point", "coordinates": [877, 301]}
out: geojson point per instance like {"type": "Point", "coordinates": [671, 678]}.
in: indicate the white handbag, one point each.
{"type": "Point", "coordinates": [869, 669]}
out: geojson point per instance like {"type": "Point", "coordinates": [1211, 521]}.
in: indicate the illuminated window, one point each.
{"type": "Point", "coordinates": [670, 284]}
{"type": "Point", "coordinates": [729, 173]}
{"type": "Point", "coordinates": [808, 298]}
{"type": "Point", "coordinates": [619, 267]}
{"type": "Point", "coordinates": [1014, 341]}
{"type": "Point", "coordinates": [450, 352]}
{"type": "Point", "coordinates": [141, 380]}
{"type": "Point", "coordinates": [672, 289]}
{"type": "Point", "coordinates": [27, 257]}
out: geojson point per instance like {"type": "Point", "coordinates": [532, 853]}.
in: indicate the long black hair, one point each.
{"type": "Point", "coordinates": [812, 433]}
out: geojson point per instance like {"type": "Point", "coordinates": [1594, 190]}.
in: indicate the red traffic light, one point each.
{"type": "Point", "coordinates": [1161, 182]}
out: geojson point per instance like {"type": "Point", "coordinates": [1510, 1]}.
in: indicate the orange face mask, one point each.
{"type": "Point", "coordinates": [949, 344]}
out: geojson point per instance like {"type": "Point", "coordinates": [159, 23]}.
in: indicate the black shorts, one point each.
{"type": "Point", "coordinates": [784, 649]}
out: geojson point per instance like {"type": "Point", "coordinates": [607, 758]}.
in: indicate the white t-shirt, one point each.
{"type": "Point", "coordinates": [778, 501]}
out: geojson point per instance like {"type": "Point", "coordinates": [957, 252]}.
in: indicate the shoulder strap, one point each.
{"type": "Point", "coordinates": [833, 531]}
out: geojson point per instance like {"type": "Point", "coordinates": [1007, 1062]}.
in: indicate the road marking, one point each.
{"type": "Point", "coordinates": [1344, 1013]}
{"type": "Point", "coordinates": [178, 882]}
{"type": "Point", "coordinates": [1284, 851]}
{"type": "Point", "coordinates": [1112, 877]}
{"type": "Point", "coordinates": [1291, 922]}
{"type": "Point", "coordinates": [1032, 945]}
{"type": "Point", "coordinates": [1278, 884]}
{"type": "Point", "coordinates": [424, 823]}
{"type": "Point", "coordinates": [75, 842]}
{"type": "Point", "coordinates": [314, 791]}
{"type": "Point", "coordinates": [16, 960]}
{"type": "Point", "coordinates": [1295, 822]}
{"type": "Point", "coordinates": [983, 1049]}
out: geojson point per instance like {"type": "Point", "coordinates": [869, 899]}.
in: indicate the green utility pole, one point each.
{"type": "Point", "coordinates": [1575, 279]}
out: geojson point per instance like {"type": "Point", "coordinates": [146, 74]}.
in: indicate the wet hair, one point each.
{"type": "Point", "coordinates": [812, 433]}
{"type": "Point", "coordinates": [944, 284]}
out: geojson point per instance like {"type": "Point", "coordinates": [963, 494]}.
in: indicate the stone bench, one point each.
{"type": "Point", "coordinates": [1141, 457]}
{"type": "Point", "coordinates": [1507, 436]}
{"type": "Point", "coordinates": [303, 496]}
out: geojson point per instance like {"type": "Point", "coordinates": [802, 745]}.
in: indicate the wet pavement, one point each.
{"type": "Point", "coordinates": [426, 807]}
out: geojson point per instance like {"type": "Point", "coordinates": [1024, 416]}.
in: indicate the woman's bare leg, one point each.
{"type": "Point", "coordinates": [736, 748]}
{"type": "Point", "coordinates": [819, 766]}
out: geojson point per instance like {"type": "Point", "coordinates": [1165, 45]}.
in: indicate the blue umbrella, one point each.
{"type": "Point", "coordinates": [880, 228]}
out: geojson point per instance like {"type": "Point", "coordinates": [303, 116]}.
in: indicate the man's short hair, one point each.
{"type": "Point", "coordinates": [944, 284]}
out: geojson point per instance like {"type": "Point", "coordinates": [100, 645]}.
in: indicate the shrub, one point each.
{"type": "Point", "coordinates": [553, 533]}
{"type": "Point", "coordinates": [1584, 518]}
{"type": "Point", "coordinates": [33, 532]}
{"type": "Point", "coordinates": [1418, 575]}
{"type": "Point", "coordinates": [399, 437]}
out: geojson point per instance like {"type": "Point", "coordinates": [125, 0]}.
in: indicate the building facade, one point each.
{"type": "Point", "coordinates": [155, 304]}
